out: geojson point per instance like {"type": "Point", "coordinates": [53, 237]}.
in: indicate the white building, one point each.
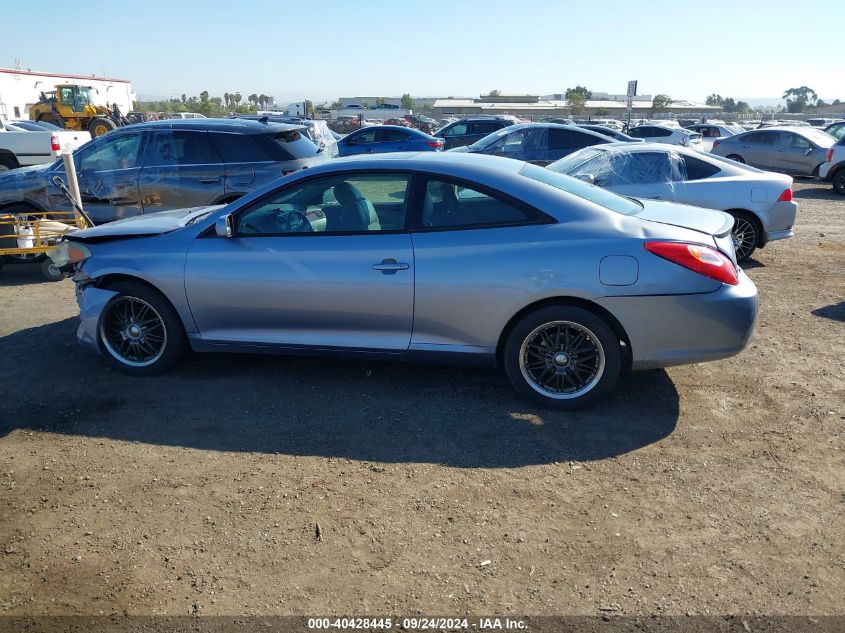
{"type": "Point", "coordinates": [19, 89]}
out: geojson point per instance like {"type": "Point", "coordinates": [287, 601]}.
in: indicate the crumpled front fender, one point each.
{"type": "Point", "coordinates": [91, 302]}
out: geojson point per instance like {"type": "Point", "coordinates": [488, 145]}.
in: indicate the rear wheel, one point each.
{"type": "Point", "coordinates": [7, 163]}
{"type": "Point", "coordinates": [563, 357]}
{"type": "Point", "coordinates": [737, 158]}
{"type": "Point", "coordinates": [839, 182]}
{"type": "Point", "coordinates": [746, 235]}
{"type": "Point", "coordinates": [140, 331]}
{"type": "Point", "coordinates": [100, 125]}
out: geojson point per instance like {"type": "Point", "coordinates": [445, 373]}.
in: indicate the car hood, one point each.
{"type": "Point", "coordinates": [143, 225]}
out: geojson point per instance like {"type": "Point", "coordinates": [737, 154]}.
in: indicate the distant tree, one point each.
{"type": "Point", "coordinates": [184, 98]}
{"type": "Point", "coordinates": [603, 111]}
{"type": "Point", "coordinates": [583, 90]}
{"type": "Point", "coordinates": [742, 107]}
{"type": "Point", "coordinates": [309, 109]}
{"type": "Point", "coordinates": [660, 103]}
{"type": "Point", "coordinates": [407, 102]}
{"type": "Point", "coordinates": [836, 102]}
{"type": "Point", "coordinates": [335, 105]}
{"type": "Point", "coordinates": [797, 99]}
{"type": "Point", "coordinates": [253, 99]}
{"type": "Point", "coordinates": [236, 99]}
{"type": "Point", "coordinates": [380, 101]}
{"type": "Point", "coordinates": [729, 105]}
{"type": "Point", "coordinates": [715, 100]}
{"type": "Point", "coordinates": [820, 103]}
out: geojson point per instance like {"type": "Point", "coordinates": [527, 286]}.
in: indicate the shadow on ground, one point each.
{"type": "Point", "coordinates": [835, 311]}
{"type": "Point", "coordinates": [358, 409]}
{"type": "Point", "coordinates": [822, 191]}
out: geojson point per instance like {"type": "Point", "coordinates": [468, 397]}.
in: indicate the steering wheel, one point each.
{"type": "Point", "coordinates": [296, 222]}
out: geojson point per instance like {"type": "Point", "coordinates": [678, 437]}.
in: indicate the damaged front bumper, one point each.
{"type": "Point", "coordinates": [91, 301]}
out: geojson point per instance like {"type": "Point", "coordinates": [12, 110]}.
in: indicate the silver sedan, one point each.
{"type": "Point", "coordinates": [761, 202]}
{"type": "Point", "coordinates": [464, 257]}
{"type": "Point", "coordinates": [798, 151]}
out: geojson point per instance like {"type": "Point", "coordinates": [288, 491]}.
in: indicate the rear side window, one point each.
{"type": "Point", "coordinates": [761, 138]}
{"type": "Point", "coordinates": [168, 148]}
{"type": "Point", "coordinates": [697, 169]}
{"type": "Point", "coordinates": [452, 205]}
{"type": "Point", "coordinates": [485, 127]}
{"type": "Point", "coordinates": [652, 132]}
{"type": "Point", "coordinates": [387, 136]}
{"type": "Point", "coordinates": [569, 139]}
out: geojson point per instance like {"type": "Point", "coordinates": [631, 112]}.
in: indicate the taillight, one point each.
{"type": "Point", "coordinates": [436, 144]}
{"type": "Point", "coordinates": [54, 143]}
{"type": "Point", "coordinates": [715, 144]}
{"type": "Point", "coordinates": [704, 260]}
{"type": "Point", "coordinates": [786, 196]}
{"type": "Point", "coordinates": [829, 158]}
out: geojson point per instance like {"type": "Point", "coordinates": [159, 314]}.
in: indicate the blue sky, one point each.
{"type": "Point", "coordinates": [323, 50]}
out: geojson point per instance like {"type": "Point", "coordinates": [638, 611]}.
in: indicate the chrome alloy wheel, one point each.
{"type": "Point", "coordinates": [133, 332]}
{"type": "Point", "coordinates": [561, 360]}
{"type": "Point", "coordinates": [744, 236]}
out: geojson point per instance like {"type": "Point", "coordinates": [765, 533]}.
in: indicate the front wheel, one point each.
{"type": "Point", "coordinates": [745, 234]}
{"type": "Point", "coordinates": [737, 158]}
{"type": "Point", "coordinates": [839, 182]}
{"type": "Point", "coordinates": [140, 332]}
{"type": "Point", "coordinates": [563, 357]}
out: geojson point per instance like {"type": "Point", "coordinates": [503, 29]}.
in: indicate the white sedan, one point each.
{"type": "Point", "coordinates": [761, 202]}
{"type": "Point", "coordinates": [670, 134]}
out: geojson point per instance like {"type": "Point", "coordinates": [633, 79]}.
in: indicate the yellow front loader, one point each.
{"type": "Point", "coordinates": [70, 107]}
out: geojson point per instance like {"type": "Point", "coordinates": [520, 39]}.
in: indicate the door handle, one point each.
{"type": "Point", "coordinates": [209, 181]}
{"type": "Point", "coordinates": [390, 266]}
{"type": "Point", "coordinates": [653, 197]}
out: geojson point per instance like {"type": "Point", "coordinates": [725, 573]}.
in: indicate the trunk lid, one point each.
{"type": "Point", "coordinates": [715, 224]}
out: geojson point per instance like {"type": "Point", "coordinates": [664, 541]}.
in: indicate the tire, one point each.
{"type": "Point", "coordinates": [839, 182]}
{"type": "Point", "coordinates": [100, 125]}
{"type": "Point", "coordinates": [50, 271]}
{"type": "Point", "coordinates": [737, 158]}
{"type": "Point", "coordinates": [746, 234]}
{"type": "Point", "coordinates": [30, 258]}
{"type": "Point", "coordinates": [55, 119]}
{"type": "Point", "coordinates": [139, 331]}
{"type": "Point", "coordinates": [590, 377]}
{"type": "Point", "coordinates": [8, 163]}
{"type": "Point", "coordinates": [3, 167]}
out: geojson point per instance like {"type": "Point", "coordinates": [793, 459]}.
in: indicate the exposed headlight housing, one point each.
{"type": "Point", "coordinates": [68, 253]}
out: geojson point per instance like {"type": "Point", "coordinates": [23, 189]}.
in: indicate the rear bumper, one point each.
{"type": "Point", "coordinates": [779, 221]}
{"type": "Point", "coordinates": [682, 329]}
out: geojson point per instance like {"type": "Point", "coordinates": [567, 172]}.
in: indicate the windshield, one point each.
{"type": "Point", "coordinates": [597, 195]}
{"type": "Point", "coordinates": [491, 138]}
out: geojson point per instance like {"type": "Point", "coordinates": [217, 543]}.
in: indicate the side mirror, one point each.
{"type": "Point", "coordinates": [223, 227]}
{"type": "Point", "coordinates": [588, 178]}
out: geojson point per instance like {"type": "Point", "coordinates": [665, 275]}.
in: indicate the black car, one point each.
{"type": "Point", "coordinates": [614, 134]}
{"type": "Point", "coordinates": [538, 143]}
{"type": "Point", "coordinates": [468, 131]}
{"type": "Point", "coordinates": [162, 165]}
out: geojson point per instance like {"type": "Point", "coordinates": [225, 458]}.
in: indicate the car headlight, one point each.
{"type": "Point", "coordinates": [68, 253]}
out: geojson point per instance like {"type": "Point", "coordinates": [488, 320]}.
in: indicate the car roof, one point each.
{"type": "Point", "coordinates": [423, 161]}
{"type": "Point", "coordinates": [241, 126]}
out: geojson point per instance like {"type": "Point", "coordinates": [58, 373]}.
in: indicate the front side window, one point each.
{"type": "Point", "coordinates": [112, 152]}
{"type": "Point", "coordinates": [485, 127]}
{"type": "Point", "coordinates": [459, 129]}
{"type": "Point", "coordinates": [571, 140]}
{"type": "Point", "coordinates": [797, 142]}
{"type": "Point", "coordinates": [453, 205]}
{"type": "Point", "coordinates": [338, 204]}
{"type": "Point", "coordinates": [363, 138]}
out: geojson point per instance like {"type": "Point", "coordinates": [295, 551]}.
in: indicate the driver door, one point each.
{"type": "Point", "coordinates": [324, 262]}
{"type": "Point", "coordinates": [108, 170]}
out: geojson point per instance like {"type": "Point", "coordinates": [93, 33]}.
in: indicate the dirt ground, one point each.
{"type": "Point", "coordinates": [708, 489]}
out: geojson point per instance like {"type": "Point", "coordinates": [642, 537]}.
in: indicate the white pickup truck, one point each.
{"type": "Point", "coordinates": [34, 144]}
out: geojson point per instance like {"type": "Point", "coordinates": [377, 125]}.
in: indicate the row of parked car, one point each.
{"type": "Point", "coordinates": [164, 165]}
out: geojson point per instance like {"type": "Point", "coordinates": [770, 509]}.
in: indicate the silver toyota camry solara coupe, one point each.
{"type": "Point", "coordinates": [465, 257]}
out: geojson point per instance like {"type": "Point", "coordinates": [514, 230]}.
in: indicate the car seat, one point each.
{"type": "Point", "coordinates": [356, 212]}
